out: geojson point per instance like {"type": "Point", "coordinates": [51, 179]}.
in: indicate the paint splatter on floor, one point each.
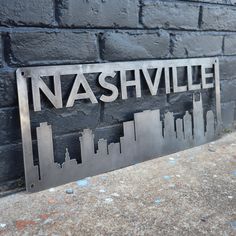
{"type": "Point", "coordinates": [102, 190]}
{"type": "Point", "coordinates": [69, 191]}
{"type": "Point", "coordinates": [234, 172]}
{"type": "Point", "coordinates": [82, 183]}
{"type": "Point", "coordinates": [2, 225]}
{"type": "Point", "coordinates": [173, 162]}
{"type": "Point", "coordinates": [233, 224]}
{"type": "Point", "coordinates": [108, 200]}
{"type": "Point", "coordinates": [158, 201]}
{"type": "Point", "coordinates": [166, 177]}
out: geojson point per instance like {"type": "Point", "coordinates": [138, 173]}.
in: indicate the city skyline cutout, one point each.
{"type": "Point", "coordinates": [142, 141]}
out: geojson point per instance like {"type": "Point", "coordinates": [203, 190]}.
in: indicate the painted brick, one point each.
{"type": "Point", "coordinates": [9, 126]}
{"type": "Point", "coordinates": [123, 110]}
{"type": "Point", "coordinates": [25, 12]}
{"type": "Point", "coordinates": [34, 48]}
{"type": "Point", "coordinates": [230, 45]}
{"type": "Point", "coordinates": [1, 51]}
{"type": "Point", "coordinates": [229, 2]}
{"type": "Point", "coordinates": [71, 141]}
{"type": "Point", "coordinates": [157, 14]}
{"type": "Point", "coordinates": [227, 68]}
{"type": "Point", "coordinates": [11, 162]}
{"type": "Point", "coordinates": [99, 13]}
{"type": "Point", "coordinates": [8, 93]}
{"type": "Point", "coordinates": [128, 46]}
{"type": "Point", "coordinates": [197, 45]}
{"type": "Point", "coordinates": [83, 115]}
{"type": "Point", "coordinates": [228, 88]}
{"type": "Point", "coordinates": [219, 18]}
{"type": "Point", "coordinates": [227, 110]}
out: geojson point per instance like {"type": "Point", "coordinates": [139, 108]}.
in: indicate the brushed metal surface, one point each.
{"type": "Point", "coordinates": [145, 137]}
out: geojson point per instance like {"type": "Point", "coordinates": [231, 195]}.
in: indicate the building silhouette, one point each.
{"type": "Point", "coordinates": [144, 138]}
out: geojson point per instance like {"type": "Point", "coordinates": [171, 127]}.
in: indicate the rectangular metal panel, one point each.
{"type": "Point", "coordinates": [145, 137]}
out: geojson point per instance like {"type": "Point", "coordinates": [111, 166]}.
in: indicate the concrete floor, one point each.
{"type": "Point", "coordinates": [187, 193]}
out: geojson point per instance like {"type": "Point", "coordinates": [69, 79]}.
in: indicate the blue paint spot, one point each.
{"type": "Point", "coordinates": [234, 172]}
{"type": "Point", "coordinates": [103, 177]}
{"type": "Point", "coordinates": [233, 224]}
{"type": "Point", "coordinates": [82, 182]}
{"type": "Point", "coordinates": [173, 162]}
{"type": "Point", "coordinates": [158, 201]}
{"type": "Point", "coordinates": [166, 177]}
{"type": "Point", "coordinates": [69, 191]}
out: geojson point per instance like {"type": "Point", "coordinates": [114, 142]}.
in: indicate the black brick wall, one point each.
{"type": "Point", "coordinates": [57, 32]}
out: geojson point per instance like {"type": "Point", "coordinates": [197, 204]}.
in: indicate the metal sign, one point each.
{"type": "Point", "coordinates": [146, 136]}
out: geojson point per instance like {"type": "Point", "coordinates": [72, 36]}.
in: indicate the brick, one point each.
{"type": "Point", "coordinates": [9, 126]}
{"type": "Point", "coordinates": [219, 18]}
{"type": "Point", "coordinates": [215, 1]}
{"type": "Point", "coordinates": [99, 13]}
{"type": "Point", "coordinates": [170, 15]}
{"type": "Point", "coordinates": [128, 46]}
{"type": "Point", "coordinates": [228, 88]}
{"type": "Point", "coordinates": [11, 162]}
{"type": "Point", "coordinates": [24, 12]}
{"type": "Point", "coordinates": [71, 141]}
{"type": "Point", "coordinates": [123, 110]}
{"type": "Point", "coordinates": [227, 68]}
{"type": "Point", "coordinates": [1, 52]}
{"type": "Point", "coordinates": [32, 48]}
{"type": "Point", "coordinates": [10, 186]}
{"type": "Point", "coordinates": [230, 45]}
{"type": "Point", "coordinates": [197, 45]}
{"type": "Point", "coordinates": [227, 110]}
{"type": "Point", "coordinates": [81, 116]}
{"type": "Point", "coordinates": [8, 92]}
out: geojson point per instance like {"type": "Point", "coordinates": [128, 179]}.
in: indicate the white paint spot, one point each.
{"type": "Point", "coordinates": [171, 158]}
{"type": "Point", "coordinates": [172, 185]}
{"type": "Point", "coordinates": [178, 176]}
{"type": "Point", "coordinates": [115, 194]}
{"type": "Point", "coordinates": [102, 190]}
{"type": "Point", "coordinates": [109, 200]}
{"type": "Point", "coordinates": [230, 197]}
{"type": "Point", "coordinates": [215, 176]}
{"type": "Point", "coordinates": [52, 190]}
{"type": "Point", "coordinates": [2, 225]}
{"type": "Point", "coordinates": [48, 221]}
